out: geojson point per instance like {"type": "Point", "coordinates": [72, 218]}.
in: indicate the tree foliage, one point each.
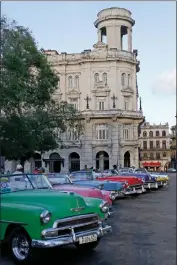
{"type": "Point", "coordinates": [30, 117]}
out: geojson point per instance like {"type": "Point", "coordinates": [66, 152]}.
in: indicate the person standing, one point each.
{"type": "Point", "coordinates": [19, 169]}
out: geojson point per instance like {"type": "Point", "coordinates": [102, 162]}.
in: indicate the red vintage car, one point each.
{"type": "Point", "coordinates": [131, 183]}
{"type": "Point", "coordinates": [62, 182]}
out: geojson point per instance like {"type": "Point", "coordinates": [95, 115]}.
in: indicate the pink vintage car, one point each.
{"type": "Point", "coordinates": [62, 182]}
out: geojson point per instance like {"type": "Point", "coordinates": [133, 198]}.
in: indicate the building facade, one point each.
{"type": "Point", "coordinates": [155, 151]}
{"type": "Point", "coordinates": [173, 146]}
{"type": "Point", "coordinates": [102, 84]}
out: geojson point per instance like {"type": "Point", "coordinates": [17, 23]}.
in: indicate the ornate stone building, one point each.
{"type": "Point", "coordinates": [102, 83]}
{"type": "Point", "coordinates": [155, 146]}
{"type": "Point", "coordinates": [173, 146]}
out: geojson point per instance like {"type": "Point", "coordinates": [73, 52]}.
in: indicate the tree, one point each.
{"type": "Point", "coordinates": [30, 117]}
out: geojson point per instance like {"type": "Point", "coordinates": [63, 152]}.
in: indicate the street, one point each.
{"type": "Point", "coordinates": [144, 233]}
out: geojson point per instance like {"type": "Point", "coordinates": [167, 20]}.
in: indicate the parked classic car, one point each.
{"type": "Point", "coordinates": [148, 181]}
{"type": "Point", "coordinates": [32, 216]}
{"type": "Point", "coordinates": [62, 182]}
{"type": "Point", "coordinates": [115, 188]}
{"type": "Point", "coordinates": [133, 185]}
{"type": "Point", "coordinates": [85, 178]}
{"type": "Point", "coordinates": [161, 178]}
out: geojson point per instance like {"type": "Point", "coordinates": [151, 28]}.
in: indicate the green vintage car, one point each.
{"type": "Point", "coordinates": [34, 216]}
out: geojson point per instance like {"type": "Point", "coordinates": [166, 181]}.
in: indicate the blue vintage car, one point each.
{"type": "Point", "coordinates": [115, 187]}
{"type": "Point", "coordinates": [148, 181]}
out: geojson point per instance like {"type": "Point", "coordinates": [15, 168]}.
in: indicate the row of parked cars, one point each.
{"type": "Point", "coordinates": [52, 210]}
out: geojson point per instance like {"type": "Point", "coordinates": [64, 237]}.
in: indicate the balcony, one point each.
{"type": "Point", "coordinates": [113, 113]}
{"type": "Point", "coordinates": [127, 142]}
{"type": "Point", "coordinates": [102, 143]}
{"type": "Point", "coordinates": [155, 149]}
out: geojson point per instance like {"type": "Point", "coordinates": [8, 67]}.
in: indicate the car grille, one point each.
{"type": "Point", "coordinates": [136, 187]}
{"type": "Point", "coordinates": [78, 223]}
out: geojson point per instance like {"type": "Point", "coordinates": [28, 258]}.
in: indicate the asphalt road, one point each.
{"type": "Point", "coordinates": [144, 233]}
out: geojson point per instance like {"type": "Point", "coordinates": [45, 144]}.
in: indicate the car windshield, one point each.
{"type": "Point", "coordinates": [81, 176]}
{"type": "Point", "coordinates": [22, 182]}
{"type": "Point", "coordinates": [58, 179]}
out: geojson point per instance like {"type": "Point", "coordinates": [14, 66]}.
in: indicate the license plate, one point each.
{"type": "Point", "coordinates": [87, 239]}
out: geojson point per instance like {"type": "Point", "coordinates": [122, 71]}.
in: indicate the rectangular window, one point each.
{"type": "Point", "coordinates": [126, 106]}
{"type": "Point", "coordinates": [102, 134]}
{"type": "Point", "coordinates": [125, 134]}
{"type": "Point", "coordinates": [144, 145]}
{"type": "Point", "coordinates": [74, 103]}
{"type": "Point", "coordinates": [101, 105]}
{"type": "Point", "coordinates": [151, 144]}
{"type": "Point", "coordinates": [157, 155]}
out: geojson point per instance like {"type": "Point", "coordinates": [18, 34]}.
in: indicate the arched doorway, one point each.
{"type": "Point", "coordinates": [55, 163]}
{"type": "Point", "coordinates": [74, 162]}
{"type": "Point", "coordinates": [37, 160]}
{"type": "Point", "coordinates": [127, 159]}
{"type": "Point", "coordinates": [102, 160]}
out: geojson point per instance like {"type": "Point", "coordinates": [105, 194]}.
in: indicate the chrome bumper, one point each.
{"type": "Point", "coordinates": [70, 239]}
{"type": "Point", "coordinates": [132, 192]}
{"type": "Point", "coordinates": [151, 185]}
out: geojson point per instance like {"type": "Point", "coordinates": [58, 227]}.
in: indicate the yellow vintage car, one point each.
{"type": "Point", "coordinates": [162, 179]}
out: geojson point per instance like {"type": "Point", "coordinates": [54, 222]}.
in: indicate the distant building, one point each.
{"type": "Point", "coordinates": [102, 84]}
{"type": "Point", "coordinates": [173, 146]}
{"type": "Point", "coordinates": [155, 152]}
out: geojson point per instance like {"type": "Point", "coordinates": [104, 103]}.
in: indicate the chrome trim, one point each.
{"type": "Point", "coordinates": [74, 218]}
{"type": "Point", "coordinates": [72, 238]}
{"type": "Point", "coordinates": [12, 222]}
{"type": "Point", "coordinates": [77, 209]}
{"type": "Point", "coordinates": [44, 232]}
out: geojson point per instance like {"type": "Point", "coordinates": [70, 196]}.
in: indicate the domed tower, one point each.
{"type": "Point", "coordinates": [114, 23]}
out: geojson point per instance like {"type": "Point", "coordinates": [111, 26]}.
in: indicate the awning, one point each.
{"type": "Point", "coordinates": [151, 164]}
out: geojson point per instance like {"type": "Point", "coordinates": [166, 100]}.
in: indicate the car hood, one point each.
{"type": "Point", "coordinates": [103, 185]}
{"type": "Point", "coordinates": [81, 190]}
{"type": "Point", "coordinates": [60, 203]}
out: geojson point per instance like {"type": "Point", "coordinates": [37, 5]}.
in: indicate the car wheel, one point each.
{"type": "Point", "coordinates": [19, 246]}
{"type": "Point", "coordinates": [88, 246]}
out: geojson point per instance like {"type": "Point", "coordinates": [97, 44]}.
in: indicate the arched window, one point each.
{"type": "Point", "coordinates": [129, 80]}
{"type": "Point", "coordinates": [76, 81]}
{"type": "Point", "coordinates": [105, 78]}
{"type": "Point", "coordinates": [96, 77]}
{"type": "Point", "coordinates": [70, 82]}
{"type": "Point", "coordinates": [150, 134]}
{"type": "Point", "coordinates": [163, 133]}
{"type": "Point", "coordinates": [123, 79]}
{"type": "Point", "coordinates": [144, 134]}
{"type": "Point", "coordinates": [157, 133]}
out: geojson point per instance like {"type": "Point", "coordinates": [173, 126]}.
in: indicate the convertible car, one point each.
{"type": "Point", "coordinates": [121, 188]}
{"type": "Point", "coordinates": [62, 182]}
{"type": "Point", "coordinates": [148, 181]}
{"type": "Point", "coordinates": [34, 216]}
{"type": "Point", "coordinates": [133, 184]}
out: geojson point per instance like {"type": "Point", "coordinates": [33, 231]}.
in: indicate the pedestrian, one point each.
{"type": "Point", "coordinates": [35, 170]}
{"type": "Point", "coordinates": [19, 169]}
{"type": "Point", "coordinates": [41, 170]}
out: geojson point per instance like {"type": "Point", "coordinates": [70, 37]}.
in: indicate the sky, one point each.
{"type": "Point", "coordinates": [68, 27]}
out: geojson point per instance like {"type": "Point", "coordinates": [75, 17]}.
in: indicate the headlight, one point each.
{"type": "Point", "coordinates": [112, 196]}
{"type": "Point", "coordinates": [104, 207]}
{"type": "Point", "coordinates": [143, 179]}
{"type": "Point", "coordinates": [45, 217]}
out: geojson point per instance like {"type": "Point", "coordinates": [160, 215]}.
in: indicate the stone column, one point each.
{"type": "Point", "coordinates": [129, 32]}
{"type": "Point", "coordinates": [99, 35]}
{"type": "Point", "coordinates": [119, 41]}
